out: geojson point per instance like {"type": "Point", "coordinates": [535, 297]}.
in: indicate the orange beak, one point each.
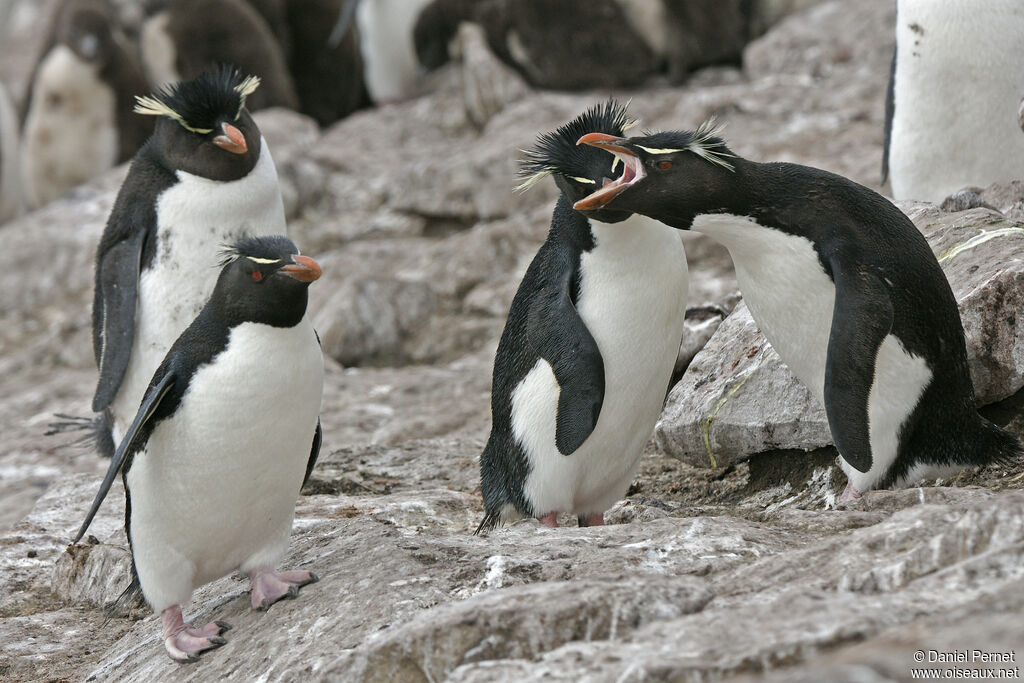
{"type": "Point", "coordinates": [632, 170]}
{"type": "Point", "coordinates": [231, 139]}
{"type": "Point", "coordinates": [304, 269]}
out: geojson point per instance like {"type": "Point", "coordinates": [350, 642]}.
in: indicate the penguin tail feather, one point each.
{"type": "Point", "coordinates": [489, 521]}
{"type": "Point", "coordinates": [996, 446]}
{"type": "Point", "coordinates": [128, 602]}
{"type": "Point", "coordinates": [97, 432]}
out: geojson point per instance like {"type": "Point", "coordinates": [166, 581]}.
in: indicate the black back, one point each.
{"type": "Point", "coordinates": [890, 111]}
{"type": "Point", "coordinates": [207, 33]}
{"type": "Point", "coordinates": [328, 76]}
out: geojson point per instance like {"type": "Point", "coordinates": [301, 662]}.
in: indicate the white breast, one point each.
{"type": "Point", "coordinates": [196, 217]}
{"type": "Point", "coordinates": [632, 298]}
{"type": "Point", "coordinates": [215, 490]}
{"type": "Point", "coordinates": [792, 298]}
{"type": "Point", "coordinates": [385, 40]}
{"type": "Point", "coordinates": [70, 134]}
{"type": "Point", "coordinates": [959, 80]}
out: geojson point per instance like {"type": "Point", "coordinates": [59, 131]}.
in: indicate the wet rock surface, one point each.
{"type": "Point", "coordinates": [742, 570]}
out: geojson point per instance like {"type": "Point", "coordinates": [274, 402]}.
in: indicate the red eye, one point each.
{"type": "Point", "coordinates": [664, 165]}
{"type": "Point", "coordinates": [257, 275]}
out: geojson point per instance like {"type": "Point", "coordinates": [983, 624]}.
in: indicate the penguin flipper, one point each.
{"type": "Point", "coordinates": [558, 335]}
{"type": "Point", "coordinates": [890, 111]}
{"type": "Point", "coordinates": [117, 284]}
{"type": "Point", "coordinates": [861, 319]}
{"type": "Point", "coordinates": [138, 431]}
{"type": "Point", "coordinates": [314, 452]}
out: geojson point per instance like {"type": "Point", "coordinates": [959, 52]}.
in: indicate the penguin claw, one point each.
{"type": "Point", "coordinates": [268, 586]}
{"type": "Point", "coordinates": [185, 643]}
{"type": "Point", "coordinates": [849, 495]}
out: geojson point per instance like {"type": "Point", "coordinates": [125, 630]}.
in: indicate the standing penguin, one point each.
{"type": "Point", "coordinates": [226, 435]}
{"type": "Point", "coordinates": [203, 179]}
{"type": "Point", "coordinates": [587, 353]}
{"type": "Point", "coordinates": [954, 90]}
{"type": "Point", "coordinates": [78, 120]}
{"type": "Point", "coordinates": [844, 287]}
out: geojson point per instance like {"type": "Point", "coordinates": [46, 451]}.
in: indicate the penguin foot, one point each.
{"type": "Point", "coordinates": [850, 494]}
{"type": "Point", "coordinates": [268, 586]}
{"type": "Point", "coordinates": [591, 520]}
{"type": "Point", "coordinates": [185, 643]}
{"type": "Point", "coordinates": [550, 520]}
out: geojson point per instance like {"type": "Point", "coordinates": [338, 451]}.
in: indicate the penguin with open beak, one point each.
{"type": "Point", "coordinates": [587, 353]}
{"type": "Point", "coordinates": [844, 287]}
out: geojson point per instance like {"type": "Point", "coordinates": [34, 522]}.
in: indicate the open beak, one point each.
{"type": "Point", "coordinates": [632, 170]}
{"type": "Point", "coordinates": [304, 269]}
{"type": "Point", "coordinates": [231, 139]}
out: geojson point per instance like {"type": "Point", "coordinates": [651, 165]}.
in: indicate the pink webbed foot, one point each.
{"type": "Point", "coordinates": [268, 586]}
{"type": "Point", "coordinates": [850, 494]}
{"type": "Point", "coordinates": [550, 520]}
{"type": "Point", "coordinates": [184, 643]}
{"type": "Point", "coordinates": [591, 520]}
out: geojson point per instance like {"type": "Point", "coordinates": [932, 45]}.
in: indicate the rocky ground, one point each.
{"type": "Point", "coordinates": [738, 572]}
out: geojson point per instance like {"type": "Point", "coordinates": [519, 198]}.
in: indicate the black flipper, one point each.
{"type": "Point", "coordinates": [558, 334]}
{"type": "Point", "coordinates": [861, 319]}
{"type": "Point", "coordinates": [117, 284]}
{"type": "Point", "coordinates": [890, 110]}
{"type": "Point", "coordinates": [314, 452]}
{"type": "Point", "coordinates": [128, 445]}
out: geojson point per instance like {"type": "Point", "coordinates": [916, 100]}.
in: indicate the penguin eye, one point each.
{"type": "Point", "coordinates": [664, 165]}
{"type": "Point", "coordinates": [257, 275]}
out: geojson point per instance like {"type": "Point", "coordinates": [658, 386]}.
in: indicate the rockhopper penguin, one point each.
{"type": "Point", "coordinates": [223, 440]}
{"type": "Point", "coordinates": [952, 107]}
{"type": "Point", "coordinates": [587, 353]}
{"type": "Point", "coordinates": [202, 180]}
{"type": "Point", "coordinates": [844, 287]}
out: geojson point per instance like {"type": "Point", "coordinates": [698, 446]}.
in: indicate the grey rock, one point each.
{"type": "Point", "coordinates": [963, 200]}
{"type": "Point", "coordinates": [520, 623]}
{"type": "Point", "coordinates": [767, 13]}
{"type": "Point", "coordinates": [737, 398]}
{"type": "Point", "coordinates": [289, 136]}
{"type": "Point", "coordinates": [367, 320]}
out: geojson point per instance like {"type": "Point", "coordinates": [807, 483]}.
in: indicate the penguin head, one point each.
{"type": "Point", "coordinates": [203, 126]}
{"type": "Point", "coordinates": [264, 280]}
{"type": "Point", "coordinates": [671, 177]}
{"type": "Point", "coordinates": [579, 170]}
{"type": "Point", "coordinates": [87, 29]}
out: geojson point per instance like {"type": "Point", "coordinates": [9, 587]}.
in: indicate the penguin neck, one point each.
{"type": "Point", "coordinates": [772, 195]}
{"type": "Point", "coordinates": [286, 309]}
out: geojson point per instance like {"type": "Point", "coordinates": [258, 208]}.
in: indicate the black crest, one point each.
{"type": "Point", "coordinates": [557, 152]}
{"type": "Point", "coordinates": [199, 104]}
{"type": "Point", "coordinates": [267, 247]}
